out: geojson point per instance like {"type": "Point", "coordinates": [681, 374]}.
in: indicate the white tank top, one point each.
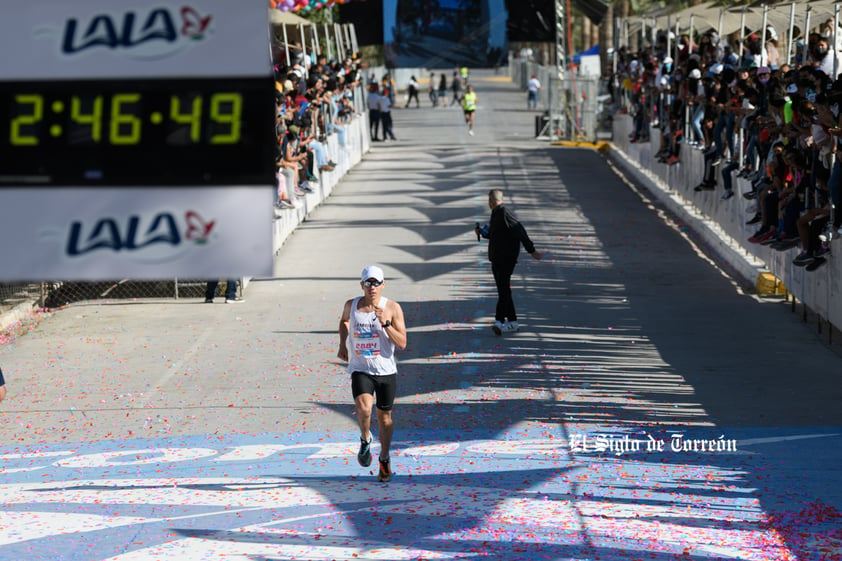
{"type": "Point", "coordinates": [371, 350]}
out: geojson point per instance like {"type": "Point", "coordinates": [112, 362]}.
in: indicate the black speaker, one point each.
{"type": "Point", "coordinates": [367, 17]}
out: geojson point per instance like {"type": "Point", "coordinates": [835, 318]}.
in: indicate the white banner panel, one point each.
{"type": "Point", "coordinates": [112, 39]}
{"type": "Point", "coordinates": [135, 139]}
{"type": "Point", "coordinates": [148, 233]}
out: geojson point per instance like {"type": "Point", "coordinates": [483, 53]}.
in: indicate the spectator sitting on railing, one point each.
{"type": "Point", "coordinates": [672, 130]}
{"type": "Point", "coordinates": [331, 105]}
{"type": "Point", "coordinates": [791, 198]}
{"type": "Point", "coordinates": [313, 137]}
{"type": "Point", "coordinates": [811, 225]}
{"type": "Point", "coordinates": [755, 120]}
{"type": "Point", "coordinates": [785, 123]}
{"type": "Point", "coordinates": [768, 197]}
{"type": "Point", "coordinates": [285, 176]}
{"type": "Point", "coordinates": [696, 101]}
{"type": "Point", "coordinates": [641, 84]}
{"type": "Point", "coordinates": [663, 95]}
{"type": "Point", "coordinates": [716, 103]}
{"type": "Point", "coordinates": [745, 114]}
{"type": "Point", "coordinates": [726, 102]}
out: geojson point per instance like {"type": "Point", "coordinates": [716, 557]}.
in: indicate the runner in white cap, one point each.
{"type": "Point", "coordinates": [376, 328]}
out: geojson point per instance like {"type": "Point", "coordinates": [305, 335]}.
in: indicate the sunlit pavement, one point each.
{"type": "Point", "coordinates": [649, 409]}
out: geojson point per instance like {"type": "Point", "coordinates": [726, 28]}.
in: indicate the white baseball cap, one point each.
{"type": "Point", "coordinates": [372, 272]}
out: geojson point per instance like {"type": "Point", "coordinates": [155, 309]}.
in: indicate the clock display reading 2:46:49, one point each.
{"type": "Point", "coordinates": [149, 132]}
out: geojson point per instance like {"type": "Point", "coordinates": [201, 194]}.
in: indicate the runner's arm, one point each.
{"type": "Point", "coordinates": [397, 330]}
{"type": "Point", "coordinates": [344, 329]}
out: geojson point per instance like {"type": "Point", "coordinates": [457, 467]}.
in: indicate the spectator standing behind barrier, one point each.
{"type": "Point", "coordinates": [412, 92]}
{"type": "Point", "coordinates": [456, 86]}
{"type": "Point", "coordinates": [374, 111]}
{"type": "Point", "coordinates": [533, 86]}
{"type": "Point", "coordinates": [386, 117]}
{"type": "Point", "coordinates": [442, 98]}
{"type": "Point", "coordinates": [375, 328]}
{"type": "Point", "coordinates": [505, 234]}
{"type": "Point", "coordinates": [230, 291]}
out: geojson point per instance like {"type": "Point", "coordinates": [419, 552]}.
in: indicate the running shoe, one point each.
{"type": "Point", "coordinates": [497, 328]}
{"type": "Point", "coordinates": [364, 455]}
{"type": "Point", "coordinates": [385, 471]}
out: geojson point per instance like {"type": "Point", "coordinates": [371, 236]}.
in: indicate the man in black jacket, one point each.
{"type": "Point", "coordinates": [505, 234]}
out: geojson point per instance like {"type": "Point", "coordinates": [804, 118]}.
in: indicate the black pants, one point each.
{"type": "Point", "coordinates": [502, 271]}
{"type": "Point", "coordinates": [710, 173]}
{"type": "Point", "coordinates": [374, 122]}
{"type": "Point", "coordinates": [230, 289]}
{"type": "Point", "coordinates": [386, 121]}
{"type": "Point", "coordinates": [817, 226]}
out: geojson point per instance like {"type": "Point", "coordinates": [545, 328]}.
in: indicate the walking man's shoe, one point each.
{"type": "Point", "coordinates": [510, 327]}
{"type": "Point", "coordinates": [497, 328]}
{"type": "Point", "coordinates": [364, 455]}
{"type": "Point", "coordinates": [385, 471]}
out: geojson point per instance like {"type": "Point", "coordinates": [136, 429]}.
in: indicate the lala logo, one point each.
{"type": "Point", "coordinates": [136, 234]}
{"type": "Point", "coordinates": [156, 33]}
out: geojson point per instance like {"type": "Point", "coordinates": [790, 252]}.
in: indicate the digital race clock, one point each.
{"type": "Point", "coordinates": [136, 139]}
{"type": "Point", "coordinates": [141, 132]}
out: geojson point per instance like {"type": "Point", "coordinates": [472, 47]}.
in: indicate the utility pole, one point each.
{"type": "Point", "coordinates": [559, 119]}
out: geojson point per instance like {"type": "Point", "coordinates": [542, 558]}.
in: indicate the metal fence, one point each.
{"type": "Point", "coordinates": [60, 293]}
{"type": "Point", "coordinates": [577, 108]}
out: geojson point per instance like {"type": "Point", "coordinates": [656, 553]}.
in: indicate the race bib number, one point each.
{"type": "Point", "coordinates": [367, 343]}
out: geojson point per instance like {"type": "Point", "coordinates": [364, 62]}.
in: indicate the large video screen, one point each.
{"type": "Point", "coordinates": [444, 33]}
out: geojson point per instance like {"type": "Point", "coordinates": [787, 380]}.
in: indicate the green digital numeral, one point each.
{"type": "Point", "coordinates": [194, 118]}
{"type": "Point", "coordinates": [227, 109]}
{"type": "Point", "coordinates": [31, 118]}
{"type": "Point", "coordinates": [92, 119]}
{"type": "Point", "coordinates": [121, 120]}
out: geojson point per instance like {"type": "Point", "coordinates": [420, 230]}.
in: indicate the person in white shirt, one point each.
{"type": "Point", "coordinates": [532, 88]}
{"type": "Point", "coordinates": [412, 92]}
{"type": "Point", "coordinates": [375, 328]}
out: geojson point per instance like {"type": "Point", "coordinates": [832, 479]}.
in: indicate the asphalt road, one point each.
{"type": "Point", "coordinates": [649, 408]}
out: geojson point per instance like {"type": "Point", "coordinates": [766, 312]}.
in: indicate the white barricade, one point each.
{"type": "Point", "coordinates": [358, 143]}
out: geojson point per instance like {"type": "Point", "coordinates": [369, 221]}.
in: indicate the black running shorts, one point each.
{"type": "Point", "coordinates": [383, 388]}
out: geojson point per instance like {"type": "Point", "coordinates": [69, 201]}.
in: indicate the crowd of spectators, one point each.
{"type": "Point", "coordinates": [755, 116]}
{"type": "Point", "coordinates": [312, 101]}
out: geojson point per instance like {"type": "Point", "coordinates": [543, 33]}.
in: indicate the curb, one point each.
{"type": "Point", "coordinates": [17, 314]}
{"type": "Point", "coordinates": [598, 145]}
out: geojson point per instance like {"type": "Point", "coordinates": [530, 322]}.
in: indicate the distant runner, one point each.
{"type": "Point", "coordinates": [469, 105]}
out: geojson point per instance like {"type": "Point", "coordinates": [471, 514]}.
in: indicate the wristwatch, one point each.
{"type": "Point", "coordinates": [388, 323]}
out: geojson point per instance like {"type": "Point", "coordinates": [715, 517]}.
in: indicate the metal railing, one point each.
{"type": "Point", "coordinates": [576, 108]}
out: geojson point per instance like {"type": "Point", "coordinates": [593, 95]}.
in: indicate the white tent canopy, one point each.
{"type": "Point", "coordinates": [707, 16]}
{"type": "Point", "coordinates": [277, 17]}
